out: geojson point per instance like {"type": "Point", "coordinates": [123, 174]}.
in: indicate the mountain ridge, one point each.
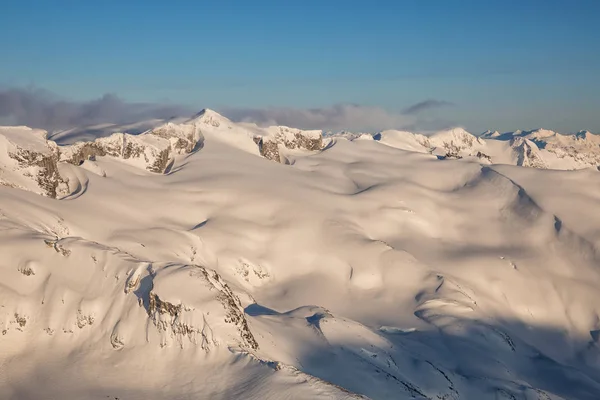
{"type": "Point", "coordinates": [156, 149]}
{"type": "Point", "coordinates": [342, 266]}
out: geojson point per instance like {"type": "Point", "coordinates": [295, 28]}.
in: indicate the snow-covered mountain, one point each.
{"type": "Point", "coordinates": [202, 258]}
{"type": "Point", "coordinates": [31, 161]}
{"type": "Point", "coordinates": [539, 148]}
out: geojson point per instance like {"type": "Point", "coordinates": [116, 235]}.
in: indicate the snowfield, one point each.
{"type": "Point", "coordinates": [205, 259]}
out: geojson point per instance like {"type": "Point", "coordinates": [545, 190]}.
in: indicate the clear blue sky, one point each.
{"type": "Point", "coordinates": [503, 64]}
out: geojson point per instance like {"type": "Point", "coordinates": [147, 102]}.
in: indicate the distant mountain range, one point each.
{"type": "Point", "coordinates": [32, 161]}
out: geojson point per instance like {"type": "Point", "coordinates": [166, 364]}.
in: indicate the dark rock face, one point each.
{"type": "Point", "coordinates": [155, 154]}
{"type": "Point", "coordinates": [47, 176]}
{"type": "Point", "coordinates": [269, 149]}
{"type": "Point", "coordinates": [452, 155]}
{"type": "Point", "coordinates": [301, 141]}
{"type": "Point", "coordinates": [483, 156]}
{"type": "Point", "coordinates": [86, 151]}
{"type": "Point", "coordinates": [156, 305]}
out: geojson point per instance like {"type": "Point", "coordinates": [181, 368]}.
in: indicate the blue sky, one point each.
{"type": "Point", "coordinates": [501, 64]}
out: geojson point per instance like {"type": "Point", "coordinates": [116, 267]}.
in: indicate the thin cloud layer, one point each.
{"type": "Point", "coordinates": [427, 105]}
{"type": "Point", "coordinates": [339, 117]}
{"type": "Point", "coordinates": [336, 118]}
{"type": "Point", "coordinates": [38, 108]}
{"type": "Point", "coordinates": [41, 109]}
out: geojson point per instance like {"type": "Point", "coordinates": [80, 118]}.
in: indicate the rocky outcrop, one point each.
{"type": "Point", "coordinates": [289, 138]}
{"type": "Point", "coordinates": [152, 153]}
{"type": "Point", "coordinates": [46, 171]}
{"type": "Point", "coordinates": [455, 142]}
{"type": "Point", "coordinates": [28, 160]}
{"type": "Point", "coordinates": [213, 313]}
{"type": "Point", "coordinates": [183, 137]}
{"type": "Point", "coordinates": [483, 156]}
{"type": "Point", "coordinates": [583, 147]}
{"type": "Point", "coordinates": [268, 148]}
{"type": "Point", "coordinates": [543, 148]}
{"type": "Point", "coordinates": [528, 154]}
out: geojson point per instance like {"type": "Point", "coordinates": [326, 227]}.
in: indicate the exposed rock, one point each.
{"type": "Point", "coordinates": [84, 320]}
{"type": "Point", "coordinates": [583, 147]}
{"type": "Point", "coordinates": [57, 247]}
{"type": "Point", "coordinates": [269, 149]}
{"type": "Point", "coordinates": [183, 137]}
{"type": "Point", "coordinates": [299, 139]}
{"type": "Point", "coordinates": [30, 162]}
{"type": "Point", "coordinates": [290, 138]}
{"type": "Point", "coordinates": [252, 273]}
{"type": "Point", "coordinates": [219, 315]}
{"type": "Point", "coordinates": [152, 152]}
{"type": "Point", "coordinates": [116, 341]}
{"type": "Point", "coordinates": [27, 270]}
{"type": "Point", "coordinates": [154, 149]}
{"type": "Point", "coordinates": [528, 154]}
{"type": "Point", "coordinates": [483, 156]}
{"type": "Point", "coordinates": [453, 141]}
{"type": "Point", "coordinates": [162, 307]}
{"type": "Point", "coordinates": [452, 155]}
{"type": "Point", "coordinates": [554, 150]}
{"type": "Point", "coordinates": [20, 320]}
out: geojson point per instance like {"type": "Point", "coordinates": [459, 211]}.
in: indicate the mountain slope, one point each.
{"type": "Point", "coordinates": [355, 270]}
{"type": "Point", "coordinates": [537, 149]}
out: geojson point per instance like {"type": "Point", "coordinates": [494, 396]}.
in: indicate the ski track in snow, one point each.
{"type": "Point", "coordinates": [366, 270]}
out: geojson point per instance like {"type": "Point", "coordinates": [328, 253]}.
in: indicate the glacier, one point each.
{"type": "Point", "coordinates": [203, 258]}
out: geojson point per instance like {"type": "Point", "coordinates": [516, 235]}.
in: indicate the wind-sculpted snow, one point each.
{"type": "Point", "coordinates": [357, 270]}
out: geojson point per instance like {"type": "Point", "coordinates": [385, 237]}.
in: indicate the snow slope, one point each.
{"type": "Point", "coordinates": [357, 270]}
{"type": "Point", "coordinates": [538, 149]}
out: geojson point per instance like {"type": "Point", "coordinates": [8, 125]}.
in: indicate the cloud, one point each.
{"type": "Point", "coordinates": [426, 105]}
{"type": "Point", "coordinates": [38, 108]}
{"type": "Point", "coordinates": [337, 117]}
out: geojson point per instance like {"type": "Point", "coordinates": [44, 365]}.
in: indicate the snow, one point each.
{"type": "Point", "coordinates": [539, 148]}
{"type": "Point", "coordinates": [23, 136]}
{"type": "Point", "coordinates": [364, 268]}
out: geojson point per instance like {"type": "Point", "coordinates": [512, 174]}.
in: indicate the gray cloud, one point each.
{"type": "Point", "coordinates": [426, 105]}
{"type": "Point", "coordinates": [41, 109]}
{"type": "Point", "coordinates": [337, 117]}
{"type": "Point", "coordinates": [343, 117]}
{"type": "Point", "coordinates": [38, 108]}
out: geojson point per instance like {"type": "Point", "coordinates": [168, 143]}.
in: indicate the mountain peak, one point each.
{"type": "Point", "coordinates": [206, 112]}
{"type": "Point", "coordinates": [490, 134]}
{"type": "Point", "coordinates": [540, 133]}
{"type": "Point", "coordinates": [584, 134]}
{"type": "Point", "coordinates": [210, 117]}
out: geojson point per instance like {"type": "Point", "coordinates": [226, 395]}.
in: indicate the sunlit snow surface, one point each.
{"type": "Point", "coordinates": [372, 268]}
